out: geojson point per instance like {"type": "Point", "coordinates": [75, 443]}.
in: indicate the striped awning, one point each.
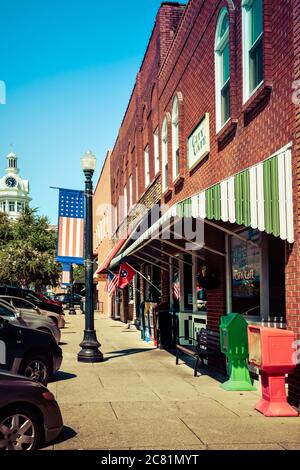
{"type": "Point", "coordinates": [260, 197]}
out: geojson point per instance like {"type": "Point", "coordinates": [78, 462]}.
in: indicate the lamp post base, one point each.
{"type": "Point", "coordinates": [72, 311]}
{"type": "Point", "coordinates": [90, 348]}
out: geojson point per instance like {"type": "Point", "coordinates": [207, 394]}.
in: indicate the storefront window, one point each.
{"type": "Point", "coordinates": [245, 262]}
{"type": "Point", "coordinates": [152, 274]}
{"type": "Point", "coordinates": [130, 293]}
{"type": "Point", "coordinates": [176, 289]}
{"type": "Point", "coordinates": [188, 284]}
{"type": "Point", "coordinates": [200, 289]}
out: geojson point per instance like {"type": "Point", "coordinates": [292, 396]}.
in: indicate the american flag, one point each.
{"type": "Point", "coordinates": [176, 290]}
{"type": "Point", "coordinates": [65, 275]}
{"type": "Point", "coordinates": [70, 226]}
{"type": "Point", "coordinates": [111, 283]}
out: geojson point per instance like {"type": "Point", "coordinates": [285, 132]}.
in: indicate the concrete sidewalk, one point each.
{"type": "Point", "coordinates": [139, 399]}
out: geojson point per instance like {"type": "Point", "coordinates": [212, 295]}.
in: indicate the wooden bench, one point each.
{"type": "Point", "coordinates": [206, 345]}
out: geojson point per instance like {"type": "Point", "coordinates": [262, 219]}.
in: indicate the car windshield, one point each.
{"type": "Point", "coordinates": [32, 298]}
{"type": "Point", "coordinates": [5, 311]}
{"type": "Point", "coordinates": [21, 303]}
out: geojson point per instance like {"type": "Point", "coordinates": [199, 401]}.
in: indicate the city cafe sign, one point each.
{"type": "Point", "coordinates": [198, 142]}
{"type": "Point", "coordinates": [244, 275]}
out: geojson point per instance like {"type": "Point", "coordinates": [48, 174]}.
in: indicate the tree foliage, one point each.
{"type": "Point", "coordinates": [27, 251]}
{"type": "Point", "coordinates": [78, 273]}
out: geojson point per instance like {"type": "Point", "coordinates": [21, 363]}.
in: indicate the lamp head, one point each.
{"type": "Point", "coordinates": [88, 161]}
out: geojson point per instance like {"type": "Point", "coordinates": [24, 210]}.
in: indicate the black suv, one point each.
{"type": "Point", "coordinates": [28, 352]}
{"type": "Point", "coordinates": [31, 296]}
{"type": "Point", "coordinates": [65, 298]}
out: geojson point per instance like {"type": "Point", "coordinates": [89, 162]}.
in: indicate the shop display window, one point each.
{"type": "Point", "coordinates": [245, 271]}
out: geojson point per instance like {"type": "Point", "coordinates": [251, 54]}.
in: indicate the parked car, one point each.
{"type": "Point", "coordinates": [46, 298]}
{"type": "Point", "coordinates": [30, 295]}
{"type": "Point", "coordinates": [31, 320]}
{"type": "Point", "coordinates": [65, 298]}
{"type": "Point", "coordinates": [32, 353]}
{"type": "Point", "coordinates": [24, 306]}
{"type": "Point", "coordinates": [29, 414]}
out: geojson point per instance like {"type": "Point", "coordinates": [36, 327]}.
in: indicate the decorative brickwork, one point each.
{"type": "Point", "coordinates": [180, 60]}
{"type": "Point", "coordinates": [293, 266]}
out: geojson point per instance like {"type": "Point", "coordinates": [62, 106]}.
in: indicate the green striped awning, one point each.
{"type": "Point", "coordinates": [260, 197]}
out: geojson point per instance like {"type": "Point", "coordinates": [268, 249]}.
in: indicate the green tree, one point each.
{"type": "Point", "coordinates": [27, 251]}
{"type": "Point", "coordinates": [78, 273]}
{"type": "Point", "coordinates": [6, 233]}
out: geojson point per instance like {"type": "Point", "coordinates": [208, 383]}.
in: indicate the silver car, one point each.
{"type": "Point", "coordinates": [29, 320]}
{"type": "Point", "coordinates": [24, 306]}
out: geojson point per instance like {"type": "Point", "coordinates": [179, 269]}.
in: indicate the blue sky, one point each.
{"type": "Point", "coordinates": [69, 68]}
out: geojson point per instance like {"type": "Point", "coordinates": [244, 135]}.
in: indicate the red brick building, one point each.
{"type": "Point", "coordinates": [211, 133]}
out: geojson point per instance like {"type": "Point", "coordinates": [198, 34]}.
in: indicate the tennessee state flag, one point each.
{"type": "Point", "coordinates": [126, 274]}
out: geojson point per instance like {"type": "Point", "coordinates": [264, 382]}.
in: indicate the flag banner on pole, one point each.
{"type": "Point", "coordinates": [70, 226]}
{"type": "Point", "coordinates": [176, 286]}
{"type": "Point", "coordinates": [111, 283]}
{"type": "Point", "coordinates": [66, 274]}
{"type": "Point", "coordinates": [176, 291]}
{"type": "Point", "coordinates": [126, 275]}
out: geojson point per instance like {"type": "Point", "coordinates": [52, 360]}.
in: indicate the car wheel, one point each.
{"type": "Point", "coordinates": [36, 368]}
{"type": "Point", "coordinates": [20, 429]}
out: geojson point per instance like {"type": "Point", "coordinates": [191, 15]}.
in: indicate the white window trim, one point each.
{"type": "Point", "coordinates": [175, 137]}
{"type": "Point", "coordinates": [125, 201]}
{"type": "Point", "coordinates": [147, 166]}
{"type": "Point", "coordinates": [219, 46]}
{"type": "Point", "coordinates": [246, 4]}
{"type": "Point", "coordinates": [156, 151]}
{"type": "Point", "coordinates": [164, 156]}
{"type": "Point", "coordinates": [115, 217]}
{"type": "Point", "coordinates": [136, 183]}
{"type": "Point", "coordinates": [130, 192]}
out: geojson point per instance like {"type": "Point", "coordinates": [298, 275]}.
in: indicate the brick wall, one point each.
{"type": "Point", "coordinates": [141, 116]}
{"type": "Point", "coordinates": [180, 60]}
{"type": "Point", "coordinates": [293, 266]}
{"type": "Point", "coordinates": [189, 69]}
{"type": "Point", "coordinates": [102, 217]}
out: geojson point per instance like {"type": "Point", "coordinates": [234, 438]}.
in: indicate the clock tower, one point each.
{"type": "Point", "coordinates": [13, 189]}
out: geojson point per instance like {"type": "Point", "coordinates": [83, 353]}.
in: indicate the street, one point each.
{"type": "Point", "coordinates": [139, 399]}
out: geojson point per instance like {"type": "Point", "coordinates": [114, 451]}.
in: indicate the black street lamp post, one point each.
{"type": "Point", "coordinates": [90, 346]}
{"type": "Point", "coordinates": [71, 292]}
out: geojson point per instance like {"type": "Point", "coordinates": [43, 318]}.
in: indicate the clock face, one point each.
{"type": "Point", "coordinates": [10, 182]}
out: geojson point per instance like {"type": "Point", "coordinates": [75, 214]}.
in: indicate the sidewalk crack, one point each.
{"type": "Point", "coordinates": [114, 412]}
{"type": "Point", "coordinates": [187, 426]}
{"type": "Point", "coordinates": [101, 383]}
{"type": "Point", "coordinates": [223, 406]}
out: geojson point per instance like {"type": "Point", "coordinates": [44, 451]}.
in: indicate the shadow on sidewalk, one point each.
{"type": "Point", "coordinates": [190, 362]}
{"type": "Point", "coordinates": [126, 352]}
{"type": "Point", "coordinates": [60, 375]}
{"type": "Point", "coordinates": [66, 434]}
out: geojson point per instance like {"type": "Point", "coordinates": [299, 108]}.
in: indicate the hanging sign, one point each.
{"type": "Point", "coordinates": [198, 142]}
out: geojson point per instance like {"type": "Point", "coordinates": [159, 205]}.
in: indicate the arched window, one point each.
{"type": "Point", "coordinates": [222, 68]}
{"type": "Point", "coordinates": [252, 19]}
{"type": "Point", "coordinates": [164, 156]}
{"type": "Point", "coordinates": [175, 140]}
